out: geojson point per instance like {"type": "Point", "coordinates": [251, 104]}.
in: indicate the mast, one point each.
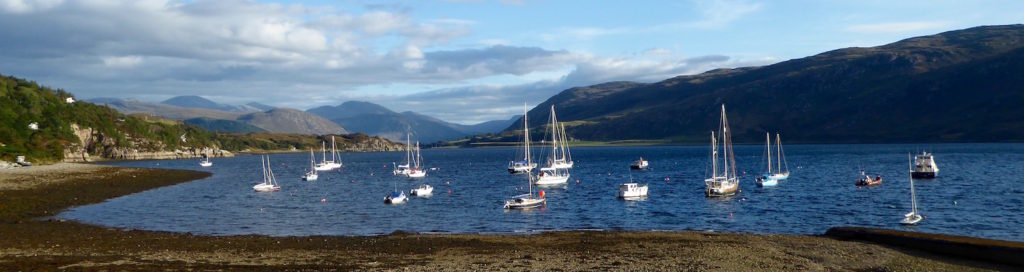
{"type": "Point", "coordinates": [526, 145]}
{"type": "Point", "coordinates": [913, 196]}
{"type": "Point", "coordinates": [768, 144]}
{"type": "Point", "coordinates": [312, 168]}
{"type": "Point", "coordinates": [334, 150]}
{"type": "Point", "coordinates": [714, 157]}
{"type": "Point", "coordinates": [554, 137]}
{"type": "Point", "coordinates": [408, 150]}
{"type": "Point", "coordinates": [778, 161]}
{"type": "Point", "coordinates": [323, 148]}
{"type": "Point", "coordinates": [725, 147]}
{"type": "Point", "coordinates": [418, 157]}
{"type": "Point", "coordinates": [264, 166]}
{"type": "Point", "coordinates": [565, 144]}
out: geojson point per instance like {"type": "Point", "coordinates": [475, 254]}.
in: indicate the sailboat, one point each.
{"type": "Point", "coordinates": [415, 171]}
{"type": "Point", "coordinates": [526, 201]}
{"type": "Point", "coordinates": [206, 161]}
{"type": "Point", "coordinates": [269, 183]}
{"type": "Point", "coordinates": [913, 217]}
{"type": "Point", "coordinates": [335, 161]}
{"type": "Point", "coordinates": [396, 196]}
{"type": "Point", "coordinates": [403, 169]}
{"type": "Point", "coordinates": [311, 174]}
{"type": "Point", "coordinates": [323, 165]}
{"type": "Point", "coordinates": [773, 175]}
{"type": "Point", "coordinates": [523, 166]}
{"type": "Point", "coordinates": [557, 170]}
{"type": "Point", "coordinates": [560, 157]}
{"type": "Point", "coordinates": [723, 182]}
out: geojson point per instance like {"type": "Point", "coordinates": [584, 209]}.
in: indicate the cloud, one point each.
{"type": "Point", "coordinates": [719, 13]}
{"type": "Point", "coordinates": [897, 27]}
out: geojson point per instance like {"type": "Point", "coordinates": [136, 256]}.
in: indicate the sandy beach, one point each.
{"type": "Point", "coordinates": [31, 241]}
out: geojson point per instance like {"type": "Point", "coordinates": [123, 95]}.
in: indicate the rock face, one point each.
{"type": "Point", "coordinates": [371, 144]}
{"type": "Point", "coordinates": [94, 146]}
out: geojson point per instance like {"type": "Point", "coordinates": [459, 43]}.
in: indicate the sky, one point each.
{"type": "Point", "coordinates": [463, 61]}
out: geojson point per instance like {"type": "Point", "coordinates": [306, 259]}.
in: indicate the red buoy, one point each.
{"type": "Point", "coordinates": [542, 193]}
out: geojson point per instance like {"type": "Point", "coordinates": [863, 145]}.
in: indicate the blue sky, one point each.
{"type": "Point", "coordinates": [463, 61]}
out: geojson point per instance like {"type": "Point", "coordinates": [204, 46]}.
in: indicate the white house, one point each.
{"type": "Point", "coordinates": [33, 126]}
{"type": "Point", "coordinates": [69, 100]}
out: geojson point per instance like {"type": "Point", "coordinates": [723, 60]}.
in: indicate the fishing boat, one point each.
{"type": "Point", "coordinates": [639, 164]}
{"type": "Point", "coordinates": [395, 197]}
{"type": "Point", "coordinates": [323, 165]}
{"type": "Point", "coordinates": [523, 166]}
{"type": "Point", "coordinates": [723, 180]}
{"type": "Point", "coordinates": [311, 175]}
{"type": "Point", "coordinates": [867, 180]}
{"type": "Point", "coordinates": [632, 190]}
{"type": "Point", "coordinates": [403, 169]}
{"type": "Point", "coordinates": [556, 172]}
{"type": "Point", "coordinates": [913, 217]}
{"type": "Point", "coordinates": [423, 190]}
{"type": "Point", "coordinates": [560, 158]}
{"type": "Point", "coordinates": [205, 162]}
{"type": "Point", "coordinates": [772, 176]}
{"type": "Point", "coordinates": [415, 171]}
{"type": "Point", "coordinates": [335, 161]}
{"type": "Point", "coordinates": [269, 183]}
{"type": "Point", "coordinates": [924, 166]}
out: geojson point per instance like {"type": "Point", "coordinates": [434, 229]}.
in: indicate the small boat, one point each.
{"type": "Point", "coordinates": [311, 175]}
{"type": "Point", "coordinates": [772, 176]}
{"type": "Point", "coordinates": [423, 190]}
{"type": "Point", "coordinates": [640, 164]}
{"type": "Point", "coordinates": [523, 166]}
{"type": "Point", "coordinates": [323, 165]}
{"type": "Point", "coordinates": [335, 161]}
{"type": "Point", "coordinates": [723, 182]}
{"type": "Point", "coordinates": [913, 217]}
{"type": "Point", "coordinates": [924, 166]}
{"type": "Point", "coordinates": [561, 158]}
{"type": "Point", "coordinates": [867, 180]}
{"type": "Point", "coordinates": [552, 176]}
{"type": "Point", "coordinates": [632, 190]}
{"type": "Point", "coordinates": [415, 171]}
{"type": "Point", "coordinates": [205, 162]}
{"type": "Point", "coordinates": [395, 197]}
{"type": "Point", "coordinates": [403, 169]}
{"type": "Point", "coordinates": [269, 183]}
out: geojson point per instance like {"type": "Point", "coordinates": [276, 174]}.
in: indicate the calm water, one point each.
{"type": "Point", "coordinates": [977, 193]}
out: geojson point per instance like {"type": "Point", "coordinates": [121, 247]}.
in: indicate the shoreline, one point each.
{"type": "Point", "coordinates": [29, 241]}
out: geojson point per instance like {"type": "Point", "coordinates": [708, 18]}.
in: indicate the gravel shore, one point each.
{"type": "Point", "coordinates": [30, 243]}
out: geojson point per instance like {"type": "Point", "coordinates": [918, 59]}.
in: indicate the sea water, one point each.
{"type": "Point", "coordinates": [977, 193]}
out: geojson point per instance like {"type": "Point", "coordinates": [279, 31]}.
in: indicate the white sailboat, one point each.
{"type": "Point", "coordinates": [561, 158]}
{"type": "Point", "coordinates": [311, 175]}
{"type": "Point", "coordinates": [557, 170]}
{"type": "Point", "coordinates": [913, 217]}
{"type": "Point", "coordinates": [335, 161]}
{"type": "Point", "coordinates": [269, 183]}
{"type": "Point", "coordinates": [526, 201]}
{"type": "Point", "coordinates": [416, 171]}
{"type": "Point", "coordinates": [772, 176]}
{"type": "Point", "coordinates": [523, 166]}
{"type": "Point", "coordinates": [396, 196]}
{"type": "Point", "coordinates": [403, 169]}
{"type": "Point", "coordinates": [206, 161]}
{"type": "Point", "coordinates": [323, 165]}
{"type": "Point", "coordinates": [723, 182]}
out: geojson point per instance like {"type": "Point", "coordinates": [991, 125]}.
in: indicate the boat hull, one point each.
{"type": "Point", "coordinates": [552, 180]}
{"type": "Point", "coordinates": [417, 174]}
{"type": "Point", "coordinates": [395, 199]}
{"type": "Point", "coordinates": [265, 188]}
{"type": "Point", "coordinates": [524, 203]}
{"type": "Point", "coordinates": [422, 191]}
{"type": "Point", "coordinates": [922, 175]}
{"type": "Point", "coordinates": [911, 219]}
{"type": "Point", "coordinates": [310, 177]}
{"type": "Point", "coordinates": [766, 182]}
{"type": "Point", "coordinates": [632, 191]}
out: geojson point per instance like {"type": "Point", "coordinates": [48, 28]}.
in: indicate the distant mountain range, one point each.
{"type": "Point", "coordinates": [252, 117]}
{"type": "Point", "coordinates": [957, 86]}
{"type": "Point", "coordinates": [377, 120]}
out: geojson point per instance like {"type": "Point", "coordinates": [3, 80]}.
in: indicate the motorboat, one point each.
{"type": "Point", "coordinates": [867, 180]}
{"type": "Point", "coordinates": [639, 164]}
{"type": "Point", "coordinates": [423, 190]}
{"type": "Point", "coordinates": [632, 190]}
{"type": "Point", "coordinates": [924, 166]}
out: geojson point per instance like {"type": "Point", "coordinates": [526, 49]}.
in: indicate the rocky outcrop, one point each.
{"type": "Point", "coordinates": [94, 146]}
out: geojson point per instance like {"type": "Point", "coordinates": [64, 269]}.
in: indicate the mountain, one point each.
{"type": "Point", "coordinates": [956, 86]}
{"type": "Point", "coordinates": [198, 102]}
{"type": "Point", "coordinates": [277, 121]}
{"type": "Point", "coordinates": [291, 121]}
{"type": "Point", "coordinates": [226, 126]}
{"type": "Point", "coordinates": [377, 120]}
{"type": "Point", "coordinates": [492, 126]}
{"type": "Point", "coordinates": [260, 106]}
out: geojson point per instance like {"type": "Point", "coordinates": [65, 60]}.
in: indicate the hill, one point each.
{"type": "Point", "coordinates": [957, 86]}
{"type": "Point", "coordinates": [291, 121]}
{"type": "Point", "coordinates": [225, 126]}
{"type": "Point", "coordinates": [377, 120]}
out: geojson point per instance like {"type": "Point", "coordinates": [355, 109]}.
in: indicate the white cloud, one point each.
{"type": "Point", "coordinates": [122, 61]}
{"type": "Point", "coordinates": [719, 13]}
{"type": "Point", "coordinates": [27, 6]}
{"type": "Point", "coordinates": [897, 27]}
